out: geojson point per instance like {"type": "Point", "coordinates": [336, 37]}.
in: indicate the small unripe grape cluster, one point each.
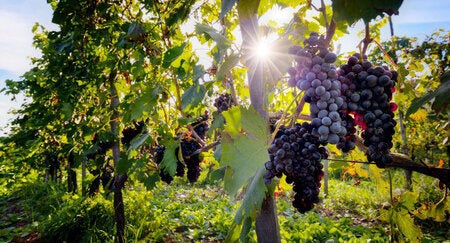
{"type": "Point", "coordinates": [368, 91]}
{"type": "Point", "coordinates": [223, 102]}
{"type": "Point", "coordinates": [296, 153]}
{"type": "Point", "coordinates": [315, 74]}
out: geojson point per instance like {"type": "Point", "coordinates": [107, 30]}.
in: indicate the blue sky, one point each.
{"type": "Point", "coordinates": [17, 17]}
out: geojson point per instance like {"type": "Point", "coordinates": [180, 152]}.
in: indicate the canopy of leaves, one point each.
{"type": "Point", "coordinates": [367, 10]}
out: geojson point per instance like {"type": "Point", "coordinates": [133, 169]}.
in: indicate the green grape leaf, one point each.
{"type": "Point", "coordinates": [290, 3]}
{"type": "Point", "coordinates": [227, 5]}
{"type": "Point", "coordinates": [143, 174]}
{"type": "Point", "coordinates": [199, 71]}
{"type": "Point", "coordinates": [218, 152]}
{"type": "Point", "coordinates": [218, 123]}
{"type": "Point", "coordinates": [149, 181]}
{"type": "Point", "coordinates": [440, 96]}
{"type": "Point", "coordinates": [216, 175]}
{"type": "Point", "coordinates": [254, 196]}
{"type": "Point", "coordinates": [143, 104]}
{"type": "Point", "coordinates": [229, 62]}
{"type": "Point", "coordinates": [138, 141]}
{"type": "Point", "coordinates": [351, 11]}
{"type": "Point", "coordinates": [233, 232]}
{"type": "Point", "coordinates": [265, 5]}
{"type": "Point", "coordinates": [169, 162]}
{"type": "Point", "coordinates": [440, 210]}
{"type": "Point", "coordinates": [123, 165]}
{"type": "Point", "coordinates": [222, 41]}
{"type": "Point", "coordinates": [246, 227]}
{"type": "Point", "coordinates": [406, 225]}
{"type": "Point", "coordinates": [192, 97]}
{"type": "Point", "coordinates": [244, 146]}
{"type": "Point", "coordinates": [418, 103]}
{"type": "Point", "coordinates": [442, 93]}
{"type": "Point", "coordinates": [67, 111]}
{"type": "Point", "coordinates": [172, 54]}
{"type": "Point", "coordinates": [437, 212]}
{"type": "Point", "coordinates": [180, 14]}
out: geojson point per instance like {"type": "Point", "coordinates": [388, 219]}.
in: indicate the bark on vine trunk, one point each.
{"type": "Point", "coordinates": [71, 175]}
{"type": "Point", "coordinates": [267, 228]}
{"type": "Point", "coordinates": [119, 211]}
{"type": "Point", "coordinates": [83, 175]}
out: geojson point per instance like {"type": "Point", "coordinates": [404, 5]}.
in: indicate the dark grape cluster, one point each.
{"type": "Point", "coordinates": [201, 125]}
{"type": "Point", "coordinates": [368, 90]}
{"type": "Point", "coordinates": [296, 153]}
{"type": "Point", "coordinates": [347, 143]}
{"type": "Point", "coordinates": [188, 147]}
{"type": "Point", "coordinates": [223, 102]}
{"type": "Point", "coordinates": [131, 132]}
{"type": "Point", "coordinates": [315, 74]}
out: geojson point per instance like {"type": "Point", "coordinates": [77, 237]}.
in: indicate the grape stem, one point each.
{"type": "Point", "coordinates": [283, 116]}
{"type": "Point", "coordinates": [352, 161]}
{"type": "Point", "coordinates": [366, 41]}
{"type": "Point", "coordinates": [386, 54]}
{"type": "Point", "coordinates": [330, 32]}
{"type": "Point", "coordinates": [323, 9]}
{"type": "Point", "coordinates": [304, 117]}
{"type": "Point", "coordinates": [191, 129]}
{"type": "Point", "coordinates": [232, 88]}
{"type": "Point", "coordinates": [298, 110]}
{"type": "Point", "coordinates": [204, 148]}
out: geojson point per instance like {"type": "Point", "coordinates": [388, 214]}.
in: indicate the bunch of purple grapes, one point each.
{"type": "Point", "coordinates": [315, 74]}
{"type": "Point", "coordinates": [368, 91]}
{"type": "Point", "coordinates": [223, 102]}
{"type": "Point", "coordinates": [131, 132]}
{"type": "Point", "coordinates": [296, 153]}
{"type": "Point", "coordinates": [201, 125]}
{"type": "Point", "coordinates": [188, 147]}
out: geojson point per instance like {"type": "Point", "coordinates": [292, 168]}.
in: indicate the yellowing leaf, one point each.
{"type": "Point", "coordinates": [419, 115]}
{"type": "Point", "coordinates": [406, 225]}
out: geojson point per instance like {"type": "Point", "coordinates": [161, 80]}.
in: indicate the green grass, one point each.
{"type": "Point", "coordinates": [186, 213]}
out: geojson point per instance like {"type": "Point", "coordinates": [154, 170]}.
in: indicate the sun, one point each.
{"type": "Point", "coordinates": [262, 49]}
{"type": "Point", "coordinates": [269, 53]}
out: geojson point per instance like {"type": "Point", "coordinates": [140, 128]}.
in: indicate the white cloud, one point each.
{"type": "Point", "coordinates": [15, 43]}
{"type": "Point", "coordinates": [16, 21]}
